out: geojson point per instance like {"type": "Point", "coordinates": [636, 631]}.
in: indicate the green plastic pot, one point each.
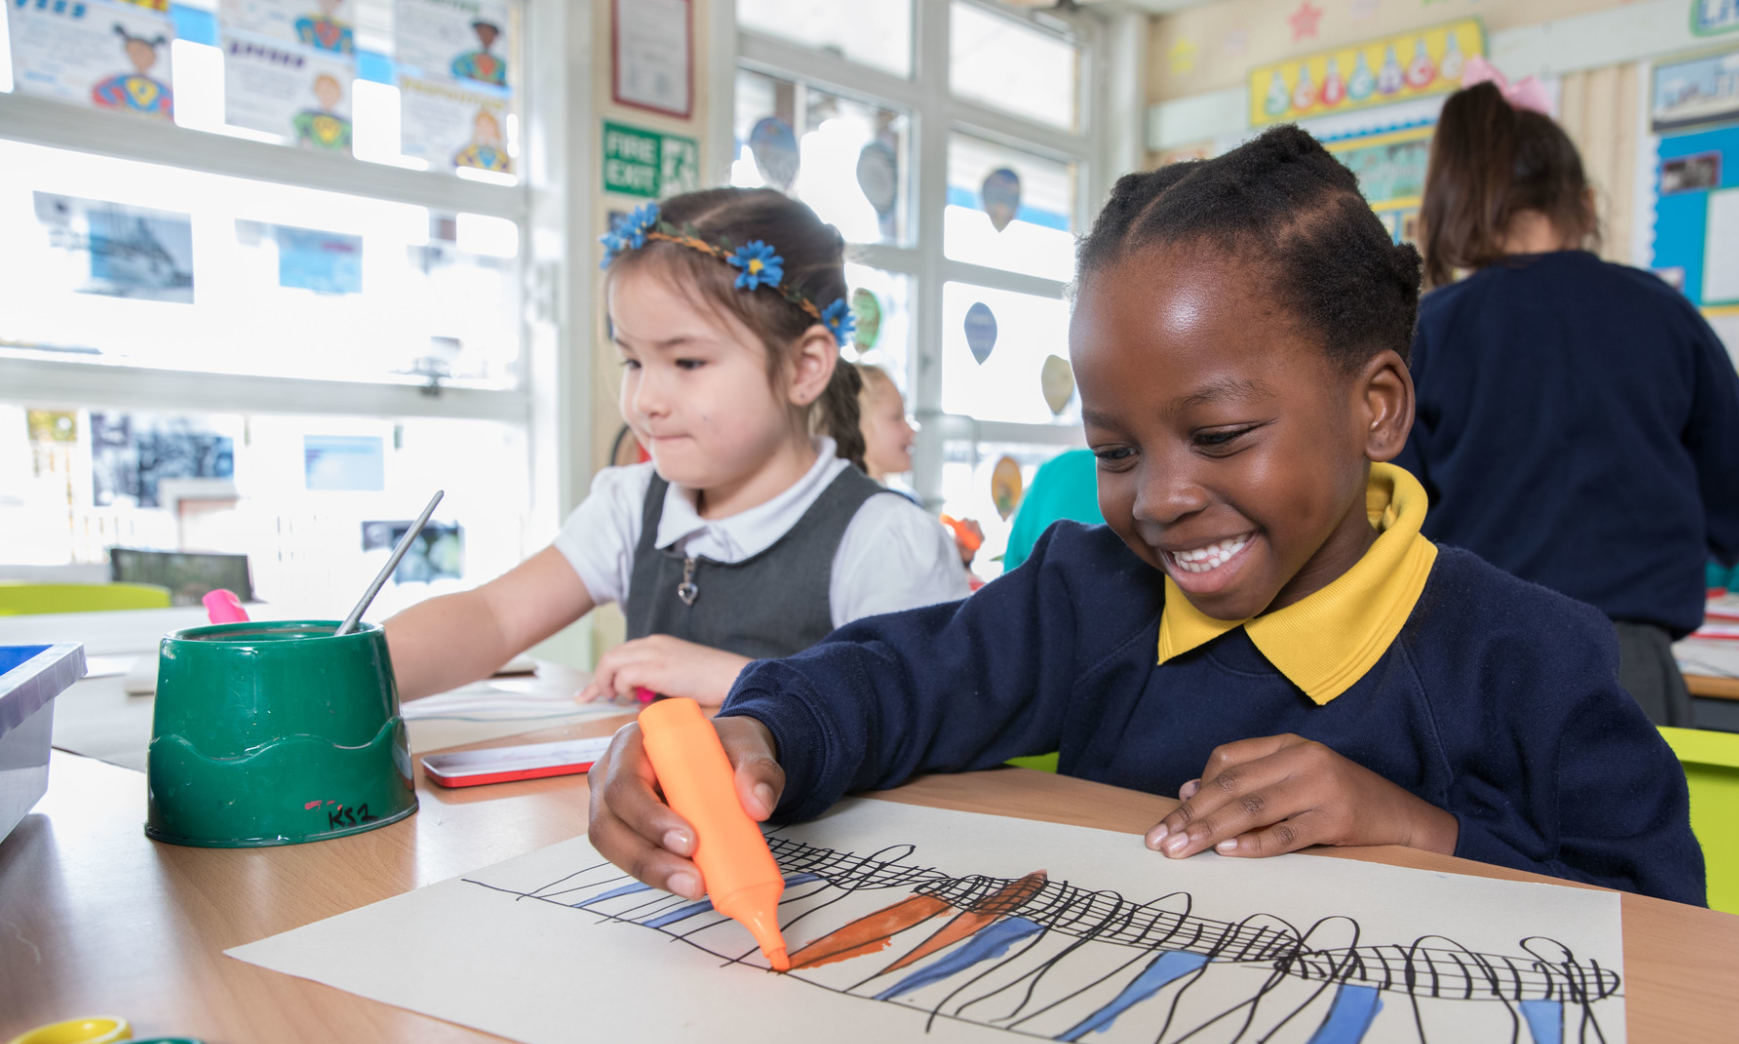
{"type": "Point", "coordinates": [273, 733]}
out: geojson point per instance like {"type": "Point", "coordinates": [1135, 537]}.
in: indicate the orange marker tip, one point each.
{"type": "Point", "coordinates": [778, 960]}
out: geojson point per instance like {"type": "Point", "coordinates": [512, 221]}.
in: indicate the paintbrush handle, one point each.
{"type": "Point", "coordinates": [392, 563]}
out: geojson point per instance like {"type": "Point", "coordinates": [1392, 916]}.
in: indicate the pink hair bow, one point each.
{"type": "Point", "coordinates": [1527, 93]}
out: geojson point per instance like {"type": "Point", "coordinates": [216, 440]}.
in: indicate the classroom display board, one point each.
{"type": "Point", "coordinates": [1380, 72]}
{"type": "Point", "coordinates": [1390, 166]}
{"type": "Point", "coordinates": [907, 923]}
{"type": "Point", "coordinates": [1696, 214]}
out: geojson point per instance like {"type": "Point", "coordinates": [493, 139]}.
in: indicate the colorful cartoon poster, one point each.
{"type": "Point", "coordinates": [462, 39]}
{"type": "Point", "coordinates": [98, 53]}
{"type": "Point", "coordinates": [324, 25]}
{"type": "Point", "coordinates": [1408, 65]}
{"type": "Point", "coordinates": [280, 88]}
{"type": "Point", "coordinates": [454, 126]}
{"type": "Point", "coordinates": [132, 252]}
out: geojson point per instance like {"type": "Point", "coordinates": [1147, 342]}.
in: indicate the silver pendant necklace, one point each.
{"type": "Point", "coordinates": [686, 590]}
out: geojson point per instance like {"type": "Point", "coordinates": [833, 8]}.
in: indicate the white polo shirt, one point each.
{"type": "Point", "coordinates": [893, 555]}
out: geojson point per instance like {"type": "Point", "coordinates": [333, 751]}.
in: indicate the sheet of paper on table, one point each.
{"type": "Point", "coordinates": [906, 922]}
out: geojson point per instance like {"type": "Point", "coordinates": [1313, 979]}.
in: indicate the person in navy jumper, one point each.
{"type": "Point", "coordinates": [1260, 628]}
{"type": "Point", "coordinates": [1578, 421]}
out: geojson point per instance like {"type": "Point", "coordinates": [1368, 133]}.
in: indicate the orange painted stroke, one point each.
{"type": "Point", "coordinates": [975, 918]}
{"type": "Point", "coordinates": [867, 934]}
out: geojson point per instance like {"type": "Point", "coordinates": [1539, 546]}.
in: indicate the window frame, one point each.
{"type": "Point", "coordinates": [936, 114]}
{"type": "Point", "coordinates": [550, 400]}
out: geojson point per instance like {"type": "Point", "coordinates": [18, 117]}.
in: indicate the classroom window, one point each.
{"type": "Point", "coordinates": [881, 301]}
{"type": "Point", "coordinates": [974, 317]}
{"type": "Point", "coordinates": [994, 346]}
{"type": "Point", "coordinates": [310, 499]}
{"type": "Point", "coordinates": [207, 348]}
{"type": "Point", "coordinates": [878, 35]}
{"type": "Point", "coordinates": [983, 48]}
{"type": "Point", "coordinates": [1010, 209]}
{"type": "Point", "coordinates": [846, 158]}
{"type": "Point", "coordinates": [114, 260]}
{"type": "Point", "coordinates": [973, 475]}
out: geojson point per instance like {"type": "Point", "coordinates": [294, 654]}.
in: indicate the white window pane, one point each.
{"type": "Point", "coordinates": [1008, 384]}
{"type": "Point", "coordinates": [1013, 66]}
{"type": "Point", "coordinates": [238, 484]}
{"type": "Point", "coordinates": [5, 56]}
{"type": "Point", "coordinates": [877, 34]}
{"type": "Point", "coordinates": [967, 491]}
{"type": "Point", "coordinates": [890, 297]}
{"type": "Point", "coordinates": [846, 158]}
{"type": "Point", "coordinates": [1039, 236]}
{"type": "Point", "coordinates": [221, 274]}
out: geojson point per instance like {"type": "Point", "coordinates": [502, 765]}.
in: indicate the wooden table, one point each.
{"type": "Point", "coordinates": [96, 919]}
{"type": "Point", "coordinates": [1711, 687]}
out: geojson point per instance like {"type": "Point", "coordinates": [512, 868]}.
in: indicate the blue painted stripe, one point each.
{"type": "Point", "coordinates": [194, 24]}
{"type": "Point", "coordinates": [959, 196]}
{"type": "Point", "coordinates": [1169, 966]}
{"type": "Point", "coordinates": [1354, 1009]}
{"type": "Point", "coordinates": [993, 941]}
{"type": "Point", "coordinates": [681, 913]}
{"type": "Point", "coordinates": [627, 889]}
{"type": "Point", "coordinates": [1545, 1019]}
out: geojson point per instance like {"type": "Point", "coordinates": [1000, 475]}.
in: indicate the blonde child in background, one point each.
{"type": "Point", "coordinates": [888, 438]}
{"type": "Point", "coordinates": [749, 534]}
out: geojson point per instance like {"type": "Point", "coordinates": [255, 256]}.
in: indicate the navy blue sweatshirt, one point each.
{"type": "Point", "coordinates": [1498, 701]}
{"type": "Point", "coordinates": [1578, 426]}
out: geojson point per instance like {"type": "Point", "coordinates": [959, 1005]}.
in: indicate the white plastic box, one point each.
{"type": "Point", "coordinates": [31, 676]}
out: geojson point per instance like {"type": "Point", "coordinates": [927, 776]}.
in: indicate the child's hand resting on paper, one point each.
{"type": "Point", "coordinates": [667, 666]}
{"type": "Point", "coordinates": [631, 826]}
{"type": "Point", "coordinates": [1274, 794]}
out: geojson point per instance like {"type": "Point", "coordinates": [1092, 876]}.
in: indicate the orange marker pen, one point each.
{"type": "Point", "coordinates": [740, 875]}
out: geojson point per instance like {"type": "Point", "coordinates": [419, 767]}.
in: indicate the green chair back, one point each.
{"type": "Point", "coordinates": [18, 598]}
{"type": "Point", "coordinates": [1711, 763]}
{"type": "Point", "coordinates": [1040, 762]}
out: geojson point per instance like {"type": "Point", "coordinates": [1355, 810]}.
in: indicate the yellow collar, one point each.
{"type": "Point", "coordinates": [1328, 640]}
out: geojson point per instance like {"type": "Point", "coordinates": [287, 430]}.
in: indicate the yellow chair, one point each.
{"type": "Point", "coordinates": [1040, 762]}
{"type": "Point", "coordinates": [1711, 763]}
{"type": "Point", "coordinates": [18, 598]}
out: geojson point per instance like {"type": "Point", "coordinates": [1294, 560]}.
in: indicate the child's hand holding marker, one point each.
{"type": "Point", "coordinates": [631, 826]}
{"type": "Point", "coordinates": [1274, 794]}
{"type": "Point", "coordinates": [668, 666]}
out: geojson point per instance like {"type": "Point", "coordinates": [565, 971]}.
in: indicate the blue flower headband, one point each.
{"type": "Point", "coordinates": [757, 263]}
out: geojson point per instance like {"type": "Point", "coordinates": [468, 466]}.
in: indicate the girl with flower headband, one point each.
{"type": "Point", "coordinates": [1578, 420]}
{"type": "Point", "coordinates": [752, 533]}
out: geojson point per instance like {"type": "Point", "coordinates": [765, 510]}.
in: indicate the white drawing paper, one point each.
{"type": "Point", "coordinates": [324, 25]}
{"type": "Point", "coordinates": [908, 923]}
{"type": "Point", "coordinates": [298, 92]}
{"type": "Point", "coordinates": [98, 53]}
{"type": "Point", "coordinates": [465, 40]}
{"type": "Point", "coordinates": [453, 125]}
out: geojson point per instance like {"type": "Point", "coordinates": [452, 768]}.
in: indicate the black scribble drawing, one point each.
{"type": "Point", "coordinates": [1055, 960]}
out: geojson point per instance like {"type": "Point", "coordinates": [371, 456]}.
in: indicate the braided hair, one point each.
{"type": "Point", "coordinates": [814, 265]}
{"type": "Point", "coordinates": [1283, 204]}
